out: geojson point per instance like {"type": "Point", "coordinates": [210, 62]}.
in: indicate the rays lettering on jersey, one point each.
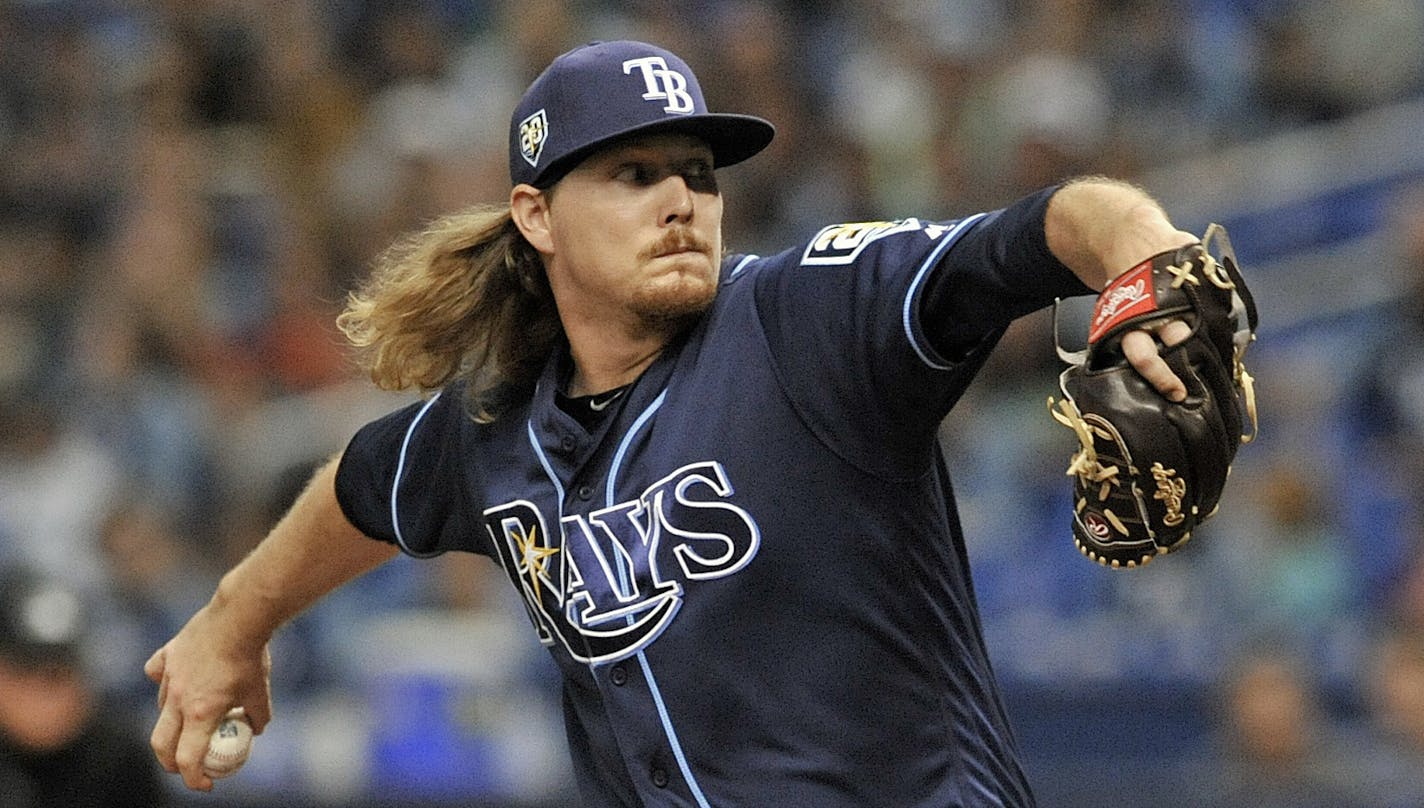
{"type": "Point", "coordinates": [613, 579]}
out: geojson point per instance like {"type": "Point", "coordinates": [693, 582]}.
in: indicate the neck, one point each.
{"type": "Point", "coordinates": [603, 361]}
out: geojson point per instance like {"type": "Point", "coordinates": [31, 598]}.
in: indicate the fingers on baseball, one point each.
{"type": "Point", "coordinates": [1141, 351]}
{"type": "Point", "coordinates": [180, 741]}
{"type": "Point", "coordinates": [192, 748]}
{"type": "Point", "coordinates": [164, 738]}
{"type": "Point", "coordinates": [257, 702]}
{"type": "Point", "coordinates": [259, 712]}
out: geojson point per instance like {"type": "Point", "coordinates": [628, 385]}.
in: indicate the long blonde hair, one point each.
{"type": "Point", "coordinates": [465, 297]}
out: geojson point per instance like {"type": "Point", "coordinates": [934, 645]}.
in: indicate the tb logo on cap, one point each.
{"type": "Point", "coordinates": [662, 83]}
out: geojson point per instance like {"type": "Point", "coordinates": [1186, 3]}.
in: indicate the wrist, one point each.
{"type": "Point", "coordinates": [1100, 228]}
{"type": "Point", "coordinates": [1145, 232]}
{"type": "Point", "coordinates": [241, 610]}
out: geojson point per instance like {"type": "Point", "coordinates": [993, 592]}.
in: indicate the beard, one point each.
{"type": "Point", "coordinates": [674, 301]}
{"type": "Point", "coordinates": [682, 293]}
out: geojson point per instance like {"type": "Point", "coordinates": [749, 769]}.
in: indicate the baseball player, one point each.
{"type": "Point", "coordinates": [712, 480]}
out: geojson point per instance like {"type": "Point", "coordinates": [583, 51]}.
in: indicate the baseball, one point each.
{"type": "Point", "coordinates": [228, 748]}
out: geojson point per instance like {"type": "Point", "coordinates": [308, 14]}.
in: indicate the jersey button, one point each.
{"type": "Point", "coordinates": [585, 492]}
{"type": "Point", "coordinates": [660, 778]}
{"type": "Point", "coordinates": [568, 443]}
{"type": "Point", "coordinates": [618, 676]}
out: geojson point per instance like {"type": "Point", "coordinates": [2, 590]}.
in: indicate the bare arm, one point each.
{"type": "Point", "coordinates": [219, 659]}
{"type": "Point", "coordinates": [1100, 228]}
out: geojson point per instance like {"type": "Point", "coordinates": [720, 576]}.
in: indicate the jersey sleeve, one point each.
{"type": "Point", "coordinates": [871, 368]}
{"type": "Point", "coordinates": [391, 476]}
{"type": "Point", "coordinates": [999, 270]}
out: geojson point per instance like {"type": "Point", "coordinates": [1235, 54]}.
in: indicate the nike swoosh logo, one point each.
{"type": "Point", "coordinates": [600, 406]}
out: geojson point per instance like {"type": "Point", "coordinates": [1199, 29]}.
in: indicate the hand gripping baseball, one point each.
{"type": "Point", "coordinates": [1148, 470]}
{"type": "Point", "coordinates": [202, 675]}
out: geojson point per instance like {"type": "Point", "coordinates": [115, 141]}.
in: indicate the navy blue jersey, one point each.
{"type": "Point", "coordinates": [750, 571]}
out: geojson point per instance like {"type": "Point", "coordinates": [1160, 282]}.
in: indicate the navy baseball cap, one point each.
{"type": "Point", "coordinates": [606, 90]}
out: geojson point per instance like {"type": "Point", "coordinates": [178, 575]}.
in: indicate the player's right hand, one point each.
{"type": "Point", "coordinates": [200, 676]}
{"type": "Point", "coordinates": [1141, 352]}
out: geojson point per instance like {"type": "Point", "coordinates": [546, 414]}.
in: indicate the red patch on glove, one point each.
{"type": "Point", "coordinates": [1129, 295]}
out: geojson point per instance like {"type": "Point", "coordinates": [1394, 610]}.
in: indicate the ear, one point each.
{"type": "Point", "coordinates": [529, 208]}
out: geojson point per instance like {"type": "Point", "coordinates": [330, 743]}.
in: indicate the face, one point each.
{"type": "Point", "coordinates": [634, 233]}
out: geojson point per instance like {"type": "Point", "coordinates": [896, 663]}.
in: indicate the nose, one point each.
{"type": "Point", "coordinates": [679, 200]}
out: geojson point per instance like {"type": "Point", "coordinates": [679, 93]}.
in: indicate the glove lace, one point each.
{"type": "Point", "coordinates": [1247, 384]}
{"type": "Point", "coordinates": [1085, 464]}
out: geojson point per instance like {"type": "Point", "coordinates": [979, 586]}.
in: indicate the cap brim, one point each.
{"type": "Point", "coordinates": [732, 138]}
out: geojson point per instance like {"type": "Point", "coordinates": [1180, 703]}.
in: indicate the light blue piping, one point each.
{"type": "Point", "coordinates": [400, 472]}
{"type": "Point", "coordinates": [915, 284]}
{"type": "Point", "coordinates": [668, 729]}
{"type": "Point", "coordinates": [553, 479]}
{"type": "Point", "coordinates": [548, 472]}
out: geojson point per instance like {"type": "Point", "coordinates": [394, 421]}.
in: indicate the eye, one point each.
{"type": "Point", "coordinates": [699, 176]}
{"type": "Point", "coordinates": [636, 173]}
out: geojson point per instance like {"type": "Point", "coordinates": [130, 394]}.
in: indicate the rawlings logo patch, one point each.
{"type": "Point", "coordinates": [1127, 297]}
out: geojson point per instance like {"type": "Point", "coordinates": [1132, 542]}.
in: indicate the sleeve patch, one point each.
{"type": "Point", "coordinates": [841, 244]}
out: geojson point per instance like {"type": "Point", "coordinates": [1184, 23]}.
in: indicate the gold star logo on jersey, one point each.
{"type": "Point", "coordinates": [534, 558]}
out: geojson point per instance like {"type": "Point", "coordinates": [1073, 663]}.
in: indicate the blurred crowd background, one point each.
{"type": "Point", "coordinates": [189, 187]}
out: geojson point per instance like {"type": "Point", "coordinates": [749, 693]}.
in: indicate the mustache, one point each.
{"type": "Point", "coordinates": [674, 241]}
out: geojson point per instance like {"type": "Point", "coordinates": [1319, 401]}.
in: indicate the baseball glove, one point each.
{"type": "Point", "coordinates": [1148, 470]}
